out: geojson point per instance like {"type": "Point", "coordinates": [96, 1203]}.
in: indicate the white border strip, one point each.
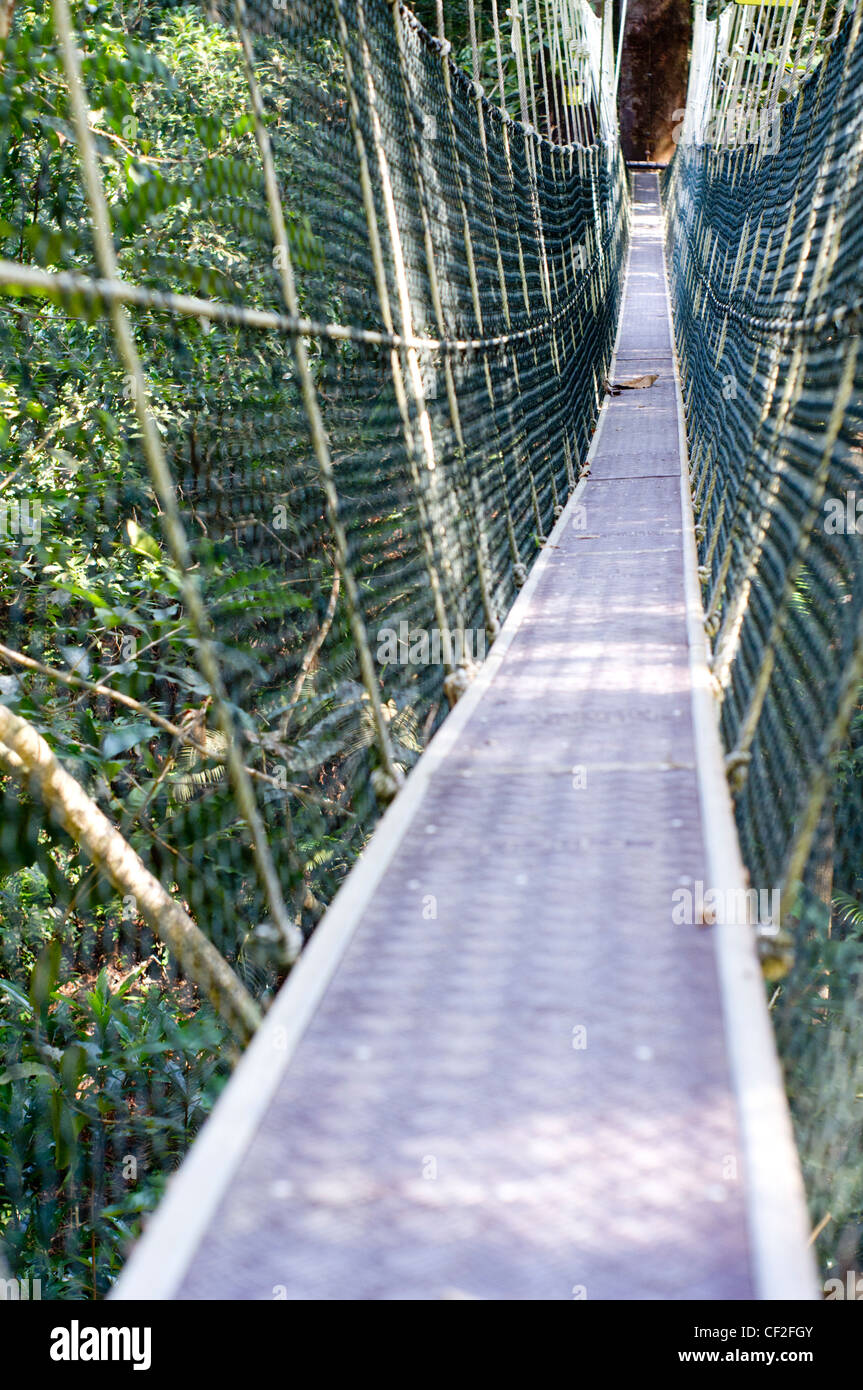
{"type": "Point", "coordinates": [173, 1233]}
{"type": "Point", "coordinates": [783, 1263]}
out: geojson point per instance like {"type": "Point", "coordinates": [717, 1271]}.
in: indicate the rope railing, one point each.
{"type": "Point", "coordinates": [764, 249]}
{"type": "Point", "coordinates": [305, 331]}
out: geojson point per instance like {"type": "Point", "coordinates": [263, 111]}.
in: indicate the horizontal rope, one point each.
{"type": "Point", "coordinates": [100, 291]}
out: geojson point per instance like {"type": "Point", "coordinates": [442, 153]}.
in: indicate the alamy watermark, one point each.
{"type": "Point", "coordinates": [20, 1290]}
{"type": "Point", "coordinates": [851, 1291]}
{"type": "Point", "coordinates": [77, 1343]}
{"type": "Point", "coordinates": [21, 520]}
{"type": "Point", "coordinates": [693, 904]}
{"type": "Point", "coordinates": [730, 130]}
{"type": "Point", "coordinates": [420, 646]}
{"type": "Point", "coordinates": [843, 516]}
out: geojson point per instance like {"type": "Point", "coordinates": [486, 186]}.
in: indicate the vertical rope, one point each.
{"type": "Point", "coordinates": [320, 442]}
{"type": "Point", "coordinates": [501, 86]}
{"type": "Point", "coordinates": [831, 434]}
{"type": "Point", "coordinates": [518, 568]}
{"type": "Point", "coordinates": [620, 33]}
{"type": "Point", "coordinates": [414, 375]}
{"type": "Point", "coordinates": [528, 47]}
{"type": "Point", "coordinates": [730, 632]}
{"type": "Point", "coordinates": [563, 133]}
{"type": "Point", "coordinates": [163, 483]}
{"type": "Point", "coordinates": [434, 287]}
{"type": "Point", "coordinates": [518, 50]}
{"type": "Point", "coordinates": [540, 39]}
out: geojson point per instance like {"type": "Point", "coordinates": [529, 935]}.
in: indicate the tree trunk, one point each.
{"type": "Point", "coordinates": [653, 77]}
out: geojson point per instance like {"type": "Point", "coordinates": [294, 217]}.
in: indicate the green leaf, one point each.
{"type": "Point", "coordinates": [141, 541]}
{"type": "Point", "coordinates": [23, 1071]}
{"type": "Point", "coordinates": [46, 973]}
{"type": "Point", "coordinates": [131, 979]}
{"type": "Point", "coordinates": [122, 739]}
{"type": "Point", "coordinates": [66, 1126]}
{"type": "Point", "coordinates": [72, 1066]}
{"type": "Point", "coordinates": [12, 992]}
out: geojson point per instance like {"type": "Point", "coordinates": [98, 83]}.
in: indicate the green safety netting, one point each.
{"type": "Point", "coordinates": [765, 248]}
{"type": "Point", "coordinates": [302, 342]}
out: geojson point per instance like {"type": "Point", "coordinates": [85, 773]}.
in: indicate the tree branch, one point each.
{"type": "Point", "coordinates": [183, 735]}
{"type": "Point", "coordinates": [95, 688]}
{"type": "Point", "coordinates": [26, 755]}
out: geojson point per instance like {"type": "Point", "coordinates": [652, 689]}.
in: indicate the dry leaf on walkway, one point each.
{"type": "Point", "coordinates": [633, 383]}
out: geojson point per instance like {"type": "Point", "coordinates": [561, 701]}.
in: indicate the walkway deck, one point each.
{"type": "Point", "coordinates": [528, 1095]}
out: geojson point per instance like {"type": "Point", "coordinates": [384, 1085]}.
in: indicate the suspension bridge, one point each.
{"type": "Point", "coordinates": [447, 366]}
{"type": "Point", "coordinates": [463, 1115]}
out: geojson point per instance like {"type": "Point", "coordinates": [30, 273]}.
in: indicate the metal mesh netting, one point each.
{"type": "Point", "coordinates": [302, 343]}
{"type": "Point", "coordinates": [765, 247]}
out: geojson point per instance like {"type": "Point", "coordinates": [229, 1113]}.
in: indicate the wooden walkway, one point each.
{"type": "Point", "coordinates": [500, 1070]}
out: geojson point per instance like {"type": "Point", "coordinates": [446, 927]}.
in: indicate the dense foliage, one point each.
{"type": "Point", "coordinates": [108, 1061]}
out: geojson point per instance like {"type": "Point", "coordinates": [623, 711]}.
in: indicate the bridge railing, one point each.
{"type": "Point", "coordinates": [764, 247]}
{"type": "Point", "coordinates": [303, 341]}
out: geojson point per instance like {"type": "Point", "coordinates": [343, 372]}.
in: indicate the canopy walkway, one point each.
{"type": "Point", "coordinates": [378, 363]}
{"type": "Point", "coordinates": [463, 1114]}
